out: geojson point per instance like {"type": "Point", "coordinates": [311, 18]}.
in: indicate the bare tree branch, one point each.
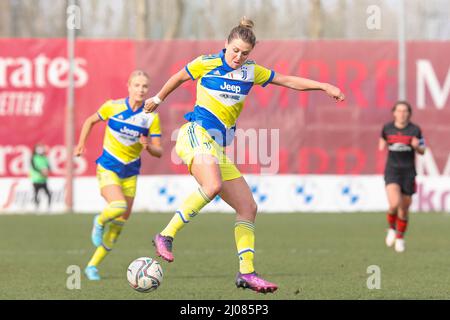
{"type": "Point", "coordinates": [174, 29]}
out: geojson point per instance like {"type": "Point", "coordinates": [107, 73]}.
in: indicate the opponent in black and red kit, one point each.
{"type": "Point", "coordinates": [403, 139]}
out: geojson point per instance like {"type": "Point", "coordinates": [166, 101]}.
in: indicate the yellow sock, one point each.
{"type": "Point", "coordinates": [99, 254]}
{"type": "Point", "coordinates": [244, 234]}
{"type": "Point", "coordinates": [113, 210]}
{"type": "Point", "coordinates": [188, 209]}
{"type": "Point", "coordinates": [109, 239]}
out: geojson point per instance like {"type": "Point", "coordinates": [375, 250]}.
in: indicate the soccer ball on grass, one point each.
{"type": "Point", "coordinates": [144, 274]}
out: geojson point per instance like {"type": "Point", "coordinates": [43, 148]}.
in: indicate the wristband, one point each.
{"type": "Point", "coordinates": [422, 142]}
{"type": "Point", "coordinates": [156, 100]}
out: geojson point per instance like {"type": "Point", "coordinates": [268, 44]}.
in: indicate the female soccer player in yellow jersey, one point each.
{"type": "Point", "coordinates": [225, 80]}
{"type": "Point", "coordinates": [126, 135]}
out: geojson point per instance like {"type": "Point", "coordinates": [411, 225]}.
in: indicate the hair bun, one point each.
{"type": "Point", "coordinates": [246, 23]}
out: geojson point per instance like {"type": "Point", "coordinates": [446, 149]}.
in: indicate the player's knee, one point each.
{"type": "Point", "coordinates": [248, 210]}
{"type": "Point", "coordinates": [212, 188]}
{"type": "Point", "coordinates": [252, 208]}
{"type": "Point", "coordinates": [393, 208]}
{"type": "Point", "coordinates": [127, 214]}
{"type": "Point", "coordinates": [119, 207]}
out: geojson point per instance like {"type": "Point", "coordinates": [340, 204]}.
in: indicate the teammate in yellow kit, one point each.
{"type": "Point", "coordinates": [127, 134]}
{"type": "Point", "coordinates": [224, 81]}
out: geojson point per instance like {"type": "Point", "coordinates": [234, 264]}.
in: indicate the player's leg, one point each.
{"type": "Point", "coordinates": [207, 173]}
{"type": "Point", "coordinates": [394, 195]}
{"type": "Point", "coordinates": [198, 151]}
{"type": "Point", "coordinates": [115, 207]}
{"type": "Point", "coordinates": [238, 195]}
{"type": "Point", "coordinates": [402, 223]}
{"type": "Point", "coordinates": [116, 225]}
{"type": "Point", "coordinates": [111, 191]}
{"type": "Point", "coordinates": [110, 237]}
{"type": "Point", "coordinates": [408, 188]}
{"type": "Point", "coordinates": [36, 195]}
{"type": "Point", "coordinates": [117, 204]}
{"type": "Point", "coordinates": [49, 195]}
{"type": "Point", "coordinates": [403, 214]}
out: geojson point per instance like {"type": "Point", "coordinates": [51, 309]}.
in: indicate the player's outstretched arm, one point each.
{"type": "Point", "coordinates": [174, 82]}
{"type": "Point", "coordinates": [303, 84]}
{"type": "Point", "coordinates": [154, 148]}
{"type": "Point", "coordinates": [85, 131]}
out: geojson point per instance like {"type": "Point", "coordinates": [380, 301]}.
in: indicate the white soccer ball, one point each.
{"type": "Point", "coordinates": [144, 274]}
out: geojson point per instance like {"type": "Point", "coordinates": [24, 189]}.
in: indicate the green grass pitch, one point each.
{"type": "Point", "coordinates": [310, 256]}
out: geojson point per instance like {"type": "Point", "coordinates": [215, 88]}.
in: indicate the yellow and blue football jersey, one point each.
{"type": "Point", "coordinates": [121, 146]}
{"type": "Point", "coordinates": [221, 91]}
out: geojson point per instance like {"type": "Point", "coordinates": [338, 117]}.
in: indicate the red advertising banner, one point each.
{"type": "Point", "coordinates": [308, 131]}
{"type": "Point", "coordinates": [33, 84]}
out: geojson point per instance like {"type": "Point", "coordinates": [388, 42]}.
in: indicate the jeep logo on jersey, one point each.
{"type": "Point", "coordinates": [129, 132]}
{"type": "Point", "coordinates": [229, 87]}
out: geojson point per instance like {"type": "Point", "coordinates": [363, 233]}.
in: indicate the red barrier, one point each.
{"type": "Point", "coordinates": [316, 134]}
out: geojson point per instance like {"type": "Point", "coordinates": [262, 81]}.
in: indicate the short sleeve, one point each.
{"type": "Point", "coordinates": [106, 110]}
{"type": "Point", "coordinates": [196, 68]}
{"type": "Point", "coordinates": [263, 76]}
{"type": "Point", "coordinates": [155, 127]}
{"type": "Point", "coordinates": [419, 133]}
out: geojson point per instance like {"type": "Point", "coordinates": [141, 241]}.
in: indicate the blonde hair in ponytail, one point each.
{"type": "Point", "coordinates": [246, 23]}
{"type": "Point", "coordinates": [243, 31]}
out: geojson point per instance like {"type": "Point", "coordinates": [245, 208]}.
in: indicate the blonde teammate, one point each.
{"type": "Point", "coordinates": [224, 81]}
{"type": "Point", "coordinates": [126, 135]}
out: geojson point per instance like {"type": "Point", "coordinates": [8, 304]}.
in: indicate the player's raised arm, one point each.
{"type": "Point", "coordinates": [174, 82]}
{"type": "Point", "coordinates": [303, 84]}
{"type": "Point", "coordinates": [85, 131]}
